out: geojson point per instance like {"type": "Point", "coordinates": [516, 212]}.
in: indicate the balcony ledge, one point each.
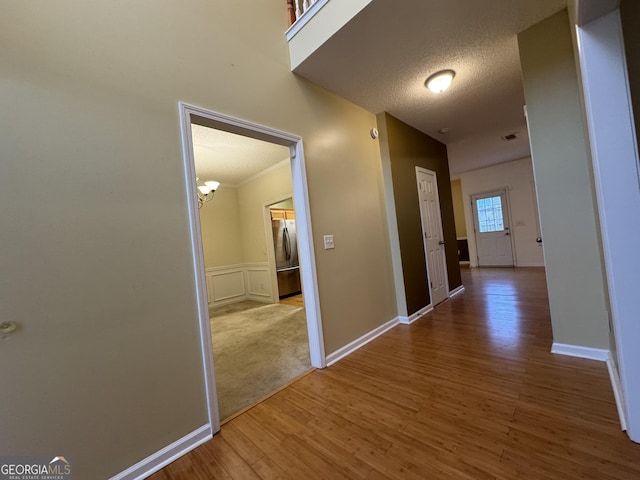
{"type": "Point", "coordinates": [304, 19]}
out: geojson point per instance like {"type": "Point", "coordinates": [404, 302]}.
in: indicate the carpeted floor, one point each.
{"type": "Point", "coordinates": [257, 348]}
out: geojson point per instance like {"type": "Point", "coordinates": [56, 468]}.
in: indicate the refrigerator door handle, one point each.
{"type": "Point", "coordinates": [287, 244]}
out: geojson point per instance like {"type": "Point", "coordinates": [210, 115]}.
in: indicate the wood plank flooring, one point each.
{"type": "Point", "coordinates": [469, 391]}
{"type": "Point", "coordinates": [294, 300]}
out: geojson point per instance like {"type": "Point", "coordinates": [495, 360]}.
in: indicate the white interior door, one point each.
{"type": "Point", "coordinates": [493, 236]}
{"type": "Point", "coordinates": [432, 234]}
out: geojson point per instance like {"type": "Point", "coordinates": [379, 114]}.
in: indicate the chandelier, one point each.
{"type": "Point", "coordinates": [205, 192]}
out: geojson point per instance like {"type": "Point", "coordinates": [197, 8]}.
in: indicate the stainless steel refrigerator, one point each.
{"type": "Point", "coordinates": [285, 243]}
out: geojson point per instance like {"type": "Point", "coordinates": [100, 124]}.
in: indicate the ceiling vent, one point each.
{"type": "Point", "coordinates": [510, 137]}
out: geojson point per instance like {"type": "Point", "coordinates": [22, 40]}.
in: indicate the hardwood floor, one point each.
{"type": "Point", "coordinates": [469, 391]}
{"type": "Point", "coordinates": [294, 300]}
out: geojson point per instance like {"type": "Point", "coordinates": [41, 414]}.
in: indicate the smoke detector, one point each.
{"type": "Point", "coordinates": [510, 137]}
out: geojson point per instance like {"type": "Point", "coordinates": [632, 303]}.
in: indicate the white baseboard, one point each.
{"type": "Point", "coordinates": [456, 291]}
{"type": "Point", "coordinates": [420, 313]}
{"type": "Point", "coordinates": [590, 353]}
{"type": "Point", "coordinates": [168, 454]}
{"type": "Point", "coordinates": [359, 342]}
{"type": "Point", "coordinates": [601, 355]}
{"type": "Point", "coordinates": [617, 392]}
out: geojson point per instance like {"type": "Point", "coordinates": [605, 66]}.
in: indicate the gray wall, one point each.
{"type": "Point", "coordinates": [564, 183]}
{"type": "Point", "coordinates": [407, 149]}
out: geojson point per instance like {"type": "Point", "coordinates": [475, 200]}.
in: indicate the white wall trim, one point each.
{"type": "Point", "coordinates": [306, 249]}
{"type": "Point", "coordinates": [185, 113]}
{"type": "Point", "coordinates": [614, 152]}
{"type": "Point", "coordinates": [579, 351]}
{"type": "Point", "coordinates": [168, 454]}
{"type": "Point", "coordinates": [360, 342]}
{"type": "Point", "coordinates": [189, 114]}
{"type": "Point", "coordinates": [236, 283]}
{"type": "Point", "coordinates": [456, 291]}
{"type": "Point", "coordinates": [415, 316]}
{"type": "Point", "coordinates": [617, 392]}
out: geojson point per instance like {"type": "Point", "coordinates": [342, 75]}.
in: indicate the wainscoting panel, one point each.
{"type": "Point", "coordinates": [226, 284]}
{"type": "Point", "coordinates": [258, 282]}
{"type": "Point", "coordinates": [235, 283]}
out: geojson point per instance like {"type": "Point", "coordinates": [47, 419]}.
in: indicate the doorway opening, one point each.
{"type": "Point", "coordinates": [286, 263]}
{"type": "Point", "coordinates": [255, 279]}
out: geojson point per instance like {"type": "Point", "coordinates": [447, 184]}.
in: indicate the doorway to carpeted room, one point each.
{"type": "Point", "coordinates": [258, 348]}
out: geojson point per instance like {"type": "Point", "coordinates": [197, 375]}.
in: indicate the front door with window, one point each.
{"type": "Point", "coordinates": [493, 236]}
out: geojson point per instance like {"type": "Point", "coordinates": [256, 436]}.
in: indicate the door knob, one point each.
{"type": "Point", "coordinates": [7, 328]}
{"type": "Point", "coordinates": [507, 234]}
{"type": "Point", "coordinates": [441, 242]}
{"type": "Point", "coordinates": [539, 239]}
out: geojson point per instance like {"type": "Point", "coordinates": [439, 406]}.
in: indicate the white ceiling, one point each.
{"type": "Point", "coordinates": [230, 158]}
{"type": "Point", "coordinates": [382, 57]}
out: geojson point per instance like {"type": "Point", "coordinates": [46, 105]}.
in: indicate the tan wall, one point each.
{"type": "Point", "coordinates": [233, 228]}
{"type": "Point", "coordinates": [220, 226]}
{"type": "Point", "coordinates": [98, 265]}
{"type": "Point", "coordinates": [564, 185]}
{"type": "Point", "coordinates": [286, 204]}
{"type": "Point", "coordinates": [458, 208]}
{"type": "Point", "coordinates": [252, 198]}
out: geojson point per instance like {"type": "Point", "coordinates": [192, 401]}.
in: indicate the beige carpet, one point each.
{"type": "Point", "coordinates": [257, 348]}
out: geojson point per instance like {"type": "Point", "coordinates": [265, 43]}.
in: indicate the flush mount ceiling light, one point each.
{"type": "Point", "coordinates": [440, 81]}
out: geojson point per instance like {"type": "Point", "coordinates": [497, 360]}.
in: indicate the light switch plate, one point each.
{"type": "Point", "coordinates": [328, 242]}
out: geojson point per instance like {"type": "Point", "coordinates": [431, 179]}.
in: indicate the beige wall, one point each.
{"type": "Point", "coordinates": [564, 185]}
{"type": "Point", "coordinates": [220, 226]}
{"type": "Point", "coordinates": [252, 198]}
{"type": "Point", "coordinates": [458, 208]}
{"type": "Point", "coordinates": [286, 204]}
{"type": "Point", "coordinates": [98, 270]}
{"type": "Point", "coordinates": [233, 228]}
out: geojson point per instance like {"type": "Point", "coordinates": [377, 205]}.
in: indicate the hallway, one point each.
{"type": "Point", "coordinates": [469, 391]}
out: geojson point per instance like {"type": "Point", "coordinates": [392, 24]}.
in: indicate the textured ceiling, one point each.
{"type": "Point", "coordinates": [381, 59]}
{"type": "Point", "coordinates": [232, 159]}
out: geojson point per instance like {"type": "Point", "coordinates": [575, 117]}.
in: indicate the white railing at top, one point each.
{"type": "Point", "coordinates": [302, 6]}
{"type": "Point", "coordinates": [300, 12]}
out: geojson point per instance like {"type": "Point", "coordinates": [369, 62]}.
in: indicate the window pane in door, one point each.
{"type": "Point", "coordinates": [490, 214]}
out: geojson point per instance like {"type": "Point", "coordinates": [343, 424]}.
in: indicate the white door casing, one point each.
{"type": "Point", "coordinates": [492, 229]}
{"type": "Point", "coordinates": [432, 235]}
{"type": "Point", "coordinates": [191, 114]}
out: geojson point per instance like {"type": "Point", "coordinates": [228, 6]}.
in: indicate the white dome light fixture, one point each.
{"type": "Point", "coordinates": [440, 81]}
